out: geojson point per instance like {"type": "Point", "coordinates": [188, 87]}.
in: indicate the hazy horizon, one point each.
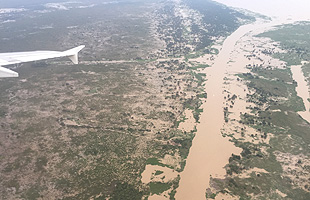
{"type": "Point", "coordinates": [295, 9]}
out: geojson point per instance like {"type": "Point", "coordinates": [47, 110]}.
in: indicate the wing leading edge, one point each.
{"type": "Point", "coordinates": [21, 57]}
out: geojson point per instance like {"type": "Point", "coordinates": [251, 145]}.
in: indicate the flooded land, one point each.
{"type": "Point", "coordinates": [211, 151]}
{"type": "Point", "coordinates": [173, 99]}
{"type": "Point", "coordinates": [302, 90]}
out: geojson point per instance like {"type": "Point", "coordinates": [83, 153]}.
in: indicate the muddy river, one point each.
{"type": "Point", "coordinates": [302, 90]}
{"type": "Point", "coordinates": [210, 151]}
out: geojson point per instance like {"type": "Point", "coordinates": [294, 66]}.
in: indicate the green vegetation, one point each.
{"type": "Point", "coordinates": [274, 83]}
{"type": "Point", "coordinates": [175, 185]}
{"type": "Point", "coordinates": [32, 193]}
{"type": "Point", "coordinates": [200, 77]}
{"type": "Point", "coordinates": [158, 187]}
{"type": "Point", "coordinates": [41, 163]}
{"type": "Point", "coordinates": [126, 192]}
{"type": "Point", "coordinates": [211, 196]}
{"type": "Point", "coordinates": [306, 71]}
{"type": "Point", "coordinates": [200, 66]}
{"type": "Point", "coordinates": [158, 172]}
{"type": "Point", "coordinates": [197, 113]}
{"type": "Point", "coordinates": [295, 39]}
{"type": "Point", "coordinates": [3, 111]}
{"type": "Point", "coordinates": [155, 161]}
{"type": "Point", "coordinates": [185, 144]}
{"type": "Point", "coordinates": [197, 54]}
{"type": "Point", "coordinates": [180, 121]}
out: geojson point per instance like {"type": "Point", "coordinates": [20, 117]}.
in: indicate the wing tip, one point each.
{"type": "Point", "coordinates": [73, 53]}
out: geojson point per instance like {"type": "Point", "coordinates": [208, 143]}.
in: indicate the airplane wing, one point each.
{"type": "Point", "coordinates": [21, 57]}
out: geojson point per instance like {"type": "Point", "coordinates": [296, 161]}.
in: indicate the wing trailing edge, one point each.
{"type": "Point", "coordinates": [4, 72]}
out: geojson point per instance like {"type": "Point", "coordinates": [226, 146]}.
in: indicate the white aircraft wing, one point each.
{"type": "Point", "coordinates": [21, 57]}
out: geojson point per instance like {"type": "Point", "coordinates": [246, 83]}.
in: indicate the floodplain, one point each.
{"type": "Point", "coordinates": [153, 91]}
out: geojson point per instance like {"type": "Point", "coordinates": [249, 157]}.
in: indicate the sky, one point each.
{"type": "Point", "coordinates": [14, 3]}
{"type": "Point", "coordinates": [295, 9]}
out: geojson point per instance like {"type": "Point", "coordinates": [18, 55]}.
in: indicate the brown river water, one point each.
{"type": "Point", "coordinates": [210, 151]}
{"type": "Point", "coordinates": [302, 90]}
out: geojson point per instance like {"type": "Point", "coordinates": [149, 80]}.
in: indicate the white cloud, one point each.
{"type": "Point", "coordinates": [11, 10]}
{"type": "Point", "coordinates": [58, 6]}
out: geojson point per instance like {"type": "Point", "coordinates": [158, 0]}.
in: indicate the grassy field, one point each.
{"type": "Point", "coordinates": [294, 38]}
{"type": "Point", "coordinates": [86, 128]}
